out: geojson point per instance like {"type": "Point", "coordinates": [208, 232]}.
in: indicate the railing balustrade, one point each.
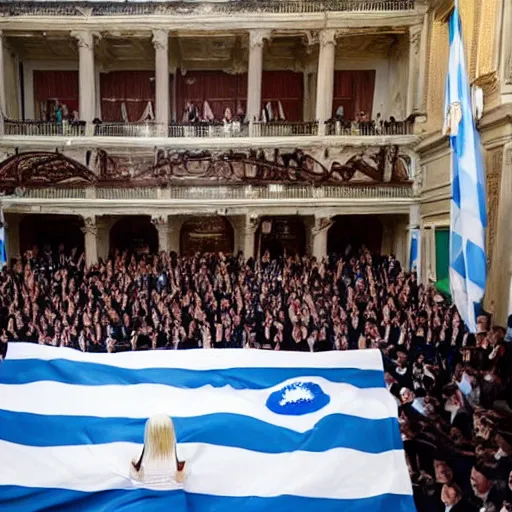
{"type": "Point", "coordinates": [284, 129]}
{"type": "Point", "coordinates": [208, 131]}
{"type": "Point", "coordinates": [365, 129]}
{"type": "Point", "coordinates": [148, 8]}
{"type": "Point", "coordinates": [44, 128]}
{"type": "Point", "coordinates": [129, 130]}
{"type": "Point", "coordinates": [235, 129]}
{"type": "Point", "coordinates": [272, 191]}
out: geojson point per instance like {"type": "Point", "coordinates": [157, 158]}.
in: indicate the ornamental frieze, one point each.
{"type": "Point", "coordinates": [336, 166]}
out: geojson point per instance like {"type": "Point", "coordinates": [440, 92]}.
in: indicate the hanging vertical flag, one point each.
{"type": "Point", "coordinates": [3, 252]}
{"type": "Point", "coordinates": [415, 250]}
{"type": "Point", "coordinates": [468, 216]}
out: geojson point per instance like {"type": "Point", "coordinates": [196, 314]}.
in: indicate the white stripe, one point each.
{"type": "Point", "coordinates": [144, 400]}
{"type": "Point", "coordinates": [205, 359]}
{"type": "Point", "coordinates": [338, 473]}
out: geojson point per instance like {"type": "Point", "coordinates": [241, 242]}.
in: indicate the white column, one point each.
{"type": "Point", "coordinates": [319, 233]}
{"type": "Point", "coordinates": [325, 78]}
{"type": "Point", "coordinates": [414, 68]}
{"type": "Point", "coordinates": [87, 77]}
{"type": "Point", "coordinates": [161, 44]}
{"type": "Point", "coordinates": [3, 106]}
{"type": "Point", "coordinates": [90, 231]}
{"type": "Point", "coordinates": [250, 227]}
{"type": "Point", "coordinates": [161, 224]}
{"type": "Point", "coordinates": [255, 73]}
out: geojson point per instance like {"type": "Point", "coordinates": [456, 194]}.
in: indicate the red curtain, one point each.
{"type": "Point", "coordinates": [286, 87]}
{"type": "Point", "coordinates": [354, 90]}
{"type": "Point", "coordinates": [134, 88]}
{"type": "Point", "coordinates": [56, 85]}
{"type": "Point", "coordinates": [220, 89]}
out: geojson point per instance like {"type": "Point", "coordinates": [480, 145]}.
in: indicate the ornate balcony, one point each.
{"type": "Point", "coordinates": [135, 8]}
{"type": "Point", "coordinates": [233, 192]}
{"type": "Point", "coordinates": [207, 131]}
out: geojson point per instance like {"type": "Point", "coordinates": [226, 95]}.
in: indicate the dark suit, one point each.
{"type": "Point", "coordinates": [3, 350]}
{"type": "Point", "coordinates": [463, 506]}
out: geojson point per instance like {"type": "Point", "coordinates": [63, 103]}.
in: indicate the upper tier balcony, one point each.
{"type": "Point", "coordinates": [209, 131]}
{"type": "Point", "coordinates": [14, 8]}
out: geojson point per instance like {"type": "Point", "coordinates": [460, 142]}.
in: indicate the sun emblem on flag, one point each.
{"type": "Point", "coordinates": [298, 398]}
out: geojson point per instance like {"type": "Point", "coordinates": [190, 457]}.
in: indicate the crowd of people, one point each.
{"type": "Point", "coordinates": [454, 389]}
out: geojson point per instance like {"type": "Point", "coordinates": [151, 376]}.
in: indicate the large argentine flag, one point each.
{"type": "Point", "coordinates": [259, 431]}
{"type": "Point", "coordinates": [468, 207]}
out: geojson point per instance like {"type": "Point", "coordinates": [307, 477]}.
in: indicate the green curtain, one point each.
{"type": "Point", "coordinates": [443, 260]}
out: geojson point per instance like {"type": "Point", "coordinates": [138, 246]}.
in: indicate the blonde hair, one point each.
{"type": "Point", "coordinates": [159, 439]}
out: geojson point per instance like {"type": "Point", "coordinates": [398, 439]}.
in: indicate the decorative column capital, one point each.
{"type": "Point", "coordinates": [326, 37]}
{"type": "Point", "coordinates": [160, 39]}
{"type": "Point", "coordinates": [257, 37]}
{"type": "Point", "coordinates": [85, 38]}
{"type": "Point", "coordinates": [415, 38]}
{"type": "Point", "coordinates": [160, 222]}
{"type": "Point", "coordinates": [322, 224]}
{"type": "Point", "coordinates": [90, 226]}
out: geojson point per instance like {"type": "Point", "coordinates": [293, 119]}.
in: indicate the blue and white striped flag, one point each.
{"type": "Point", "coordinates": [258, 430]}
{"type": "Point", "coordinates": [3, 252]}
{"type": "Point", "coordinates": [468, 206]}
{"type": "Point", "coordinates": [415, 250]}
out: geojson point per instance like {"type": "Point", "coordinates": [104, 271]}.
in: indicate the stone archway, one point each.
{"type": "Point", "coordinates": [134, 234]}
{"type": "Point", "coordinates": [206, 234]}
{"type": "Point", "coordinates": [38, 231]}
{"type": "Point", "coordinates": [356, 231]}
{"type": "Point", "coordinates": [280, 234]}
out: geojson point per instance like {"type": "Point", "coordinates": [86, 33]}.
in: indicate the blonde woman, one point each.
{"type": "Point", "coordinates": [158, 464]}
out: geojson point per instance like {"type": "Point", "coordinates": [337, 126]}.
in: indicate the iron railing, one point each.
{"type": "Point", "coordinates": [272, 191]}
{"type": "Point", "coordinates": [129, 130]}
{"type": "Point", "coordinates": [148, 8]}
{"type": "Point", "coordinates": [208, 130]}
{"type": "Point", "coordinates": [44, 128]}
{"type": "Point", "coordinates": [284, 129]}
{"type": "Point", "coordinates": [340, 128]}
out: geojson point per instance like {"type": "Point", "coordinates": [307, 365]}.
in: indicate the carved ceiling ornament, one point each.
{"type": "Point", "coordinates": [258, 166]}
{"type": "Point", "coordinates": [160, 39]}
{"type": "Point", "coordinates": [41, 168]}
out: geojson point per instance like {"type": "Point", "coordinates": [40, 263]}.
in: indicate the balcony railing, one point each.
{"type": "Point", "coordinates": [272, 191]}
{"type": "Point", "coordinates": [207, 131]}
{"type": "Point", "coordinates": [129, 130]}
{"type": "Point", "coordinates": [189, 7]}
{"type": "Point", "coordinates": [284, 129]}
{"type": "Point", "coordinates": [340, 128]}
{"type": "Point", "coordinates": [44, 128]}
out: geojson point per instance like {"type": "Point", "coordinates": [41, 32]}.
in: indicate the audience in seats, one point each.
{"type": "Point", "coordinates": [453, 389]}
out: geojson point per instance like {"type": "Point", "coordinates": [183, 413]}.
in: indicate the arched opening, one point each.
{"type": "Point", "coordinates": [206, 234]}
{"type": "Point", "coordinates": [280, 234]}
{"type": "Point", "coordinates": [50, 231]}
{"type": "Point", "coordinates": [355, 231]}
{"type": "Point", "coordinates": [134, 234]}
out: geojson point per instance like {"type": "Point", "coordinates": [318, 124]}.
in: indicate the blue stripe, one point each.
{"type": "Point", "coordinates": [477, 264]}
{"type": "Point", "coordinates": [25, 499]}
{"type": "Point", "coordinates": [371, 436]}
{"type": "Point", "coordinates": [25, 371]}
